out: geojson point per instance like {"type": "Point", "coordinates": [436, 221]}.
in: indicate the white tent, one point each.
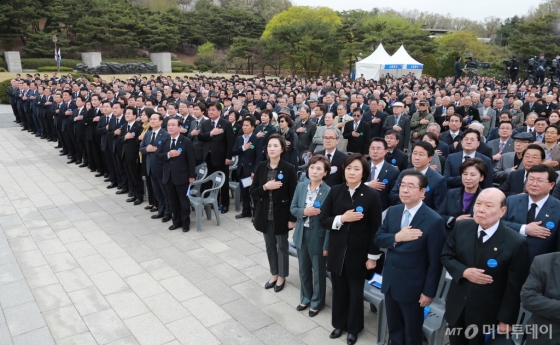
{"type": "Point", "coordinates": [379, 62]}
{"type": "Point", "coordinates": [407, 63]}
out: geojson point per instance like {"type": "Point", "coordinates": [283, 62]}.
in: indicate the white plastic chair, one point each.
{"type": "Point", "coordinates": [208, 198]}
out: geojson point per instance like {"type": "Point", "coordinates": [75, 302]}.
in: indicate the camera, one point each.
{"type": "Point", "coordinates": [508, 63]}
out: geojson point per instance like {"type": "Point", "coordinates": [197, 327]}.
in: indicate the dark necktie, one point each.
{"type": "Point", "coordinates": [152, 142]}
{"type": "Point", "coordinates": [129, 127]}
{"type": "Point", "coordinates": [467, 157]}
{"type": "Point", "coordinates": [213, 124]}
{"type": "Point", "coordinates": [173, 145]}
{"type": "Point", "coordinates": [531, 213]}
{"type": "Point", "coordinates": [481, 235]}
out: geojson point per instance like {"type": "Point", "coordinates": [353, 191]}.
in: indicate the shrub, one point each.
{"type": "Point", "coordinates": [3, 88]}
{"type": "Point", "coordinates": [431, 66]}
{"type": "Point", "coordinates": [176, 69]}
{"type": "Point", "coordinates": [138, 59]}
{"type": "Point", "coordinates": [54, 69]}
{"type": "Point", "coordinates": [446, 68]}
{"type": "Point", "coordinates": [2, 63]}
{"type": "Point", "coordinates": [40, 62]}
{"type": "Point", "coordinates": [2, 69]}
{"type": "Point", "coordinates": [202, 68]}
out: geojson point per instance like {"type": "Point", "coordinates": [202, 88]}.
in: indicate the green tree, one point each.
{"type": "Point", "coordinates": [297, 14]}
{"type": "Point", "coordinates": [206, 54]}
{"type": "Point", "coordinates": [431, 67]}
{"type": "Point", "coordinates": [446, 67]}
{"type": "Point", "coordinates": [245, 48]}
{"type": "Point", "coordinates": [507, 30]}
{"type": "Point", "coordinates": [534, 36]}
{"type": "Point", "coordinates": [465, 43]}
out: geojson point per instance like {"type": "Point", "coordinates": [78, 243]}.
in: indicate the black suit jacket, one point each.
{"type": "Point", "coordinates": [486, 304]}
{"type": "Point", "coordinates": [411, 268]}
{"type": "Point", "coordinates": [112, 139]}
{"type": "Point", "coordinates": [101, 130]}
{"type": "Point", "coordinates": [397, 158]}
{"type": "Point", "coordinates": [336, 177]}
{"type": "Point", "coordinates": [79, 125]}
{"type": "Point", "coordinates": [526, 109]}
{"type": "Point", "coordinates": [64, 106]}
{"type": "Point", "coordinates": [177, 170]}
{"type": "Point", "coordinates": [130, 147]}
{"type": "Point", "coordinates": [248, 159]}
{"type": "Point", "coordinates": [448, 139]}
{"type": "Point", "coordinates": [388, 175]}
{"type": "Point", "coordinates": [350, 245]}
{"type": "Point", "coordinates": [514, 183]}
{"type": "Point", "coordinates": [376, 128]}
{"type": "Point", "coordinates": [219, 145]}
{"type": "Point", "coordinates": [91, 126]}
{"type": "Point", "coordinates": [153, 166]}
{"type": "Point", "coordinates": [452, 207]}
{"type": "Point", "coordinates": [358, 144]}
{"type": "Point", "coordinates": [483, 148]}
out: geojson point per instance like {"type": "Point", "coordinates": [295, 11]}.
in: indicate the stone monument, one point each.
{"type": "Point", "coordinates": [162, 61]}
{"type": "Point", "coordinates": [91, 59]}
{"type": "Point", "coordinates": [13, 61]}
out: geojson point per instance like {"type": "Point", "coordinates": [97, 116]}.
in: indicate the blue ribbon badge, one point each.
{"type": "Point", "coordinates": [359, 209]}
{"type": "Point", "coordinates": [132, 133]}
{"type": "Point", "coordinates": [385, 181]}
{"type": "Point", "coordinates": [234, 128]}
{"type": "Point", "coordinates": [187, 127]}
{"type": "Point", "coordinates": [361, 133]}
{"type": "Point", "coordinates": [159, 142]}
{"type": "Point", "coordinates": [492, 263]}
{"type": "Point", "coordinates": [550, 225]}
{"type": "Point", "coordinates": [427, 189]}
{"type": "Point", "coordinates": [252, 146]}
{"type": "Point", "coordinates": [280, 176]}
{"type": "Point", "coordinates": [317, 204]}
{"type": "Point", "coordinates": [180, 149]}
{"type": "Point", "coordinates": [394, 161]}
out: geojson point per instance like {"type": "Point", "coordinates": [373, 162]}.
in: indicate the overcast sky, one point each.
{"type": "Point", "coordinates": [473, 9]}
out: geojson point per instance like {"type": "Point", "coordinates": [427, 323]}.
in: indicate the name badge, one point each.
{"type": "Point", "coordinates": [280, 176]}
{"type": "Point", "coordinates": [359, 209]}
{"type": "Point", "coordinates": [550, 225]}
{"type": "Point", "coordinates": [427, 189]}
{"type": "Point", "coordinates": [317, 204]}
{"type": "Point", "coordinates": [492, 263]}
{"type": "Point", "coordinates": [180, 149]}
{"type": "Point", "coordinates": [385, 181]}
{"type": "Point", "coordinates": [394, 161]}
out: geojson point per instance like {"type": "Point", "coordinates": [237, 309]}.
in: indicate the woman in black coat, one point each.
{"type": "Point", "coordinates": [459, 202]}
{"type": "Point", "coordinates": [285, 124]}
{"type": "Point", "coordinates": [353, 213]}
{"type": "Point", "coordinates": [273, 189]}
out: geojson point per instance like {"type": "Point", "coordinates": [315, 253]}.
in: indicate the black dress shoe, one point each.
{"type": "Point", "coordinates": [313, 313]}
{"type": "Point", "coordinates": [154, 209]}
{"type": "Point", "coordinates": [241, 215]}
{"type": "Point", "coordinates": [106, 175]}
{"type": "Point", "coordinates": [78, 162]}
{"type": "Point", "coordinates": [37, 134]}
{"type": "Point", "coordinates": [83, 165]}
{"type": "Point", "coordinates": [107, 180]}
{"type": "Point", "coordinates": [72, 161]}
{"type": "Point", "coordinates": [99, 175]}
{"type": "Point", "coordinates": [131, 199]}
{"type": "Point", "coordinates": [166, 219]}
{"type": "Point", "coordinates": [149, 207]}
{"type": "Point", "coordinates": [336, 333]}
{"type": "Point", "coordinates": [49, 139]}
{"type": "Point", "coordinates": [156, 216]}
{"type": "Point", "coordinates": [122, 191]}
{"type": "Point", "coordinates": [130, 194]}
{"type": "Point", "coordinates": [351, 339]}
{"type": "Point", "coordinates": [138, 202]}
{"type": "Point", "coordinates": [186, 229]}
{"type": "Point", "coordinates": [23, 129]}
{"type": "Point", "coordinates": [119, 187]}
{"type": "Point", "coordinates": [270, 285]}
{"type": "Point", "coordinates": [302, 307]}
{"type": "Point", "coordinates": [174, 227]}
{"type": "Point", "coordinates": [225, 209]}
{"type": "Point", "coordinates": [279, 288]}
{"type": "Point", "coordinates": [63, 154]}
{"type": "Point", "coordinates": [111, 186]}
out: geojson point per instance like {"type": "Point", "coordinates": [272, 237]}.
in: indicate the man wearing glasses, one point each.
{"type": "Point", "coordinates": [420, 120]}
{"type": "Point", "coordinates": [357, 133]}
{"type": "Point", "coordinates": [331, 138]}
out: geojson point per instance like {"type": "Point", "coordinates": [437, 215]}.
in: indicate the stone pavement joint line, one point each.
{"type": "Point", "coordinates": [79, 265]}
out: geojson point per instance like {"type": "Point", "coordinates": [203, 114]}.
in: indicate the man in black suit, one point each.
{"type": "Point", "coordinates": [400, 123]}
{"type": "Point", "coordinates": [248, 148]}
{"type": "Point", "coordinates": [92, 139]}
{"type": "Point", "coordinates": [394, 156]}
{"type": "Point", "coordinates": [102, 127]}
{"type": "Point", "coordinates": [116, 125]}
{"type": "Point", "coordinates": [186, 119]}
{"type": "Point", "coordinates": [468, 112]}
{"type": "Point", "coordinates": [78, 127]}
{"type": "Point", "coordinates": [336, 157]}
{"type": "Point", "coordinates": [130, 157]}
{"type": "Point", "coordinates": [358, 133]}
{"type": "Point", "coordinates": [515, 182]}
{"type": "Point", "coordinates": [382, 175]}
{"type": "Point", "coordinates": [217, 135]}
{"type": "Point", "coordinates": [177, 154]}
{"type": "Point", "coordinates": [151, 145]}
{"type": "Point", "coordinates": [65, 114]}
{"type": "Point", "coordinates": [540, 297]}
{"type": "Point", "coordinates": [375, 118]}
{"type": "Point", "coordinates": [454, 135]}
{"type": "Point", "coordinates": [531, 105]}
{"type": "Point", "coordinates": [414, 235]}
{"type": "Point", "coordinates": [540, 127]}
{"type": "Point", "coordinates": [488, 263]}
{"type": "Point", "coordinates": [194, 131]}
{"type": "Point", "coordinates": [330, 103]}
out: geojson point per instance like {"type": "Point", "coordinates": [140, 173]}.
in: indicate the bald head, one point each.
{"type": "Point", "coordinates": [489, 207]}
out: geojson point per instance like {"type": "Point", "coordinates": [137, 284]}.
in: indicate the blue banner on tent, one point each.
{"type": "Point", "coordinates": [393, 66]}
{"type": "Point", "coordinates": [414, 66]}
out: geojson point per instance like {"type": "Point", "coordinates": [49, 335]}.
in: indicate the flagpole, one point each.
{"type": "Point", "coordinates": [55, 39]}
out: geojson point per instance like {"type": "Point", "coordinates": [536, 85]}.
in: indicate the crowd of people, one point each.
{"type": "Point", "coordinates": [440, 173]}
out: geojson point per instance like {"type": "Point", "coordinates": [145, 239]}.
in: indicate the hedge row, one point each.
{"type": "Point", "coordinates": [2, 63]}
{"type": "Point", "coordinates": [3, 88]}
{"type": "Point", "coordinates": [55, 69]}
{"type": "Point", "coordinates": [40, 62]}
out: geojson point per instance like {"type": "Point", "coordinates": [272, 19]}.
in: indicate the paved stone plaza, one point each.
{"type": "Point", "coordinates": [79, 265]}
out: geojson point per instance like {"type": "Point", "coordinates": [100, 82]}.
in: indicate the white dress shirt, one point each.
{"type": "Point", "coordinates": [540, 204]}
{"type": "Point", "coordinates": [489, 232]}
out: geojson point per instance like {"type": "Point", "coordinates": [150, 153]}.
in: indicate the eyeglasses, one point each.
{"type": "Point", "coordinates": [408, 186]}
{"type": "Point", "coordinates": [356, 115]}
{"type": "Point", "coordinates": [330, 138]}
{"type": "Point", "coordinates": [540, 181]}
{"type": "Point", "coordinates": [376, 148]}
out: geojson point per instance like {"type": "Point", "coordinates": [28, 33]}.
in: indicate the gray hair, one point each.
{"type": "Point", "coordinates": [518, 102]}
{"type": "Point", "coordinates": [433, 124]}
{"type": "Point", "coordinates": [336, 132]}
{"type": "Point", "coordinates": [478, 126]}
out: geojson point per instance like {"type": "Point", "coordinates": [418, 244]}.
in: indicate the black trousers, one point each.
{"type": "Point", "coordinates": [95, 155]}
{"type": "Point", "coordinates": [245, 195]}
{"type": "Point", "coordinates": [224, 191]}
{"type": "Point", "coordinates": [13, 103]}
{"type": "Point", "coordinates": [109, 165]}
{"type": "Point", "coordinates": [460, 338]}
{"type": "Point", "coordinates": [21, 115]}
{"type": "Point", "coordinates": [179, 203]}
{"type": "Point", "coordinates": [70, 148]}
{"type": "Point", "coordinates": [135, 184]}
{"type": "Point", "coordinates": [405, 321]}
{"type": "Point", "coordinates": [348, 303]}
{"type": "Point", "coordinates": [162, 196]}
{"type": "Point", "coordinates": [119, 170]}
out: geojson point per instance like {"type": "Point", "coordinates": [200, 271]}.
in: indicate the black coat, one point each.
{"type": "Point", "coordinates": [452, 207]}
{"type": "Point", "coordinates": [220, 145]}
{"type": "Point", "coordinates": [388, 175]}
{"type": "Point", "coordinates": [91, 126]}
{"type": "Point", "coordinates": [514, 183]}
{"type": "Point", "coordinates": [358, 144]}
{"type": "Point", "coordinates": [281, 197]}
{"type": "Point", "coordinates": [153, 166]}
{"type": "Point", "coordinates": [131, 147]}
{"type": "Point", "coordinates": [398, 159]}
{"type": "Point", "coordinates": [486, 304]}
{"type": "Point", "coordinates": [177, 170]}
{"type": "Point", "coordinates": [80, 125]}
{"type": "Point", "coordinates": [248, 159]}
{"type": "Point", "coordinates": [350, 245]}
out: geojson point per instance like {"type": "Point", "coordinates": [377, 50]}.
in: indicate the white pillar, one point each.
{"type": "Point", "coordinates": [13, 61]}
{"type": "Point", "coordinates": [91, 59]}
{"type": "Point", "coordinates": [162, 61]}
